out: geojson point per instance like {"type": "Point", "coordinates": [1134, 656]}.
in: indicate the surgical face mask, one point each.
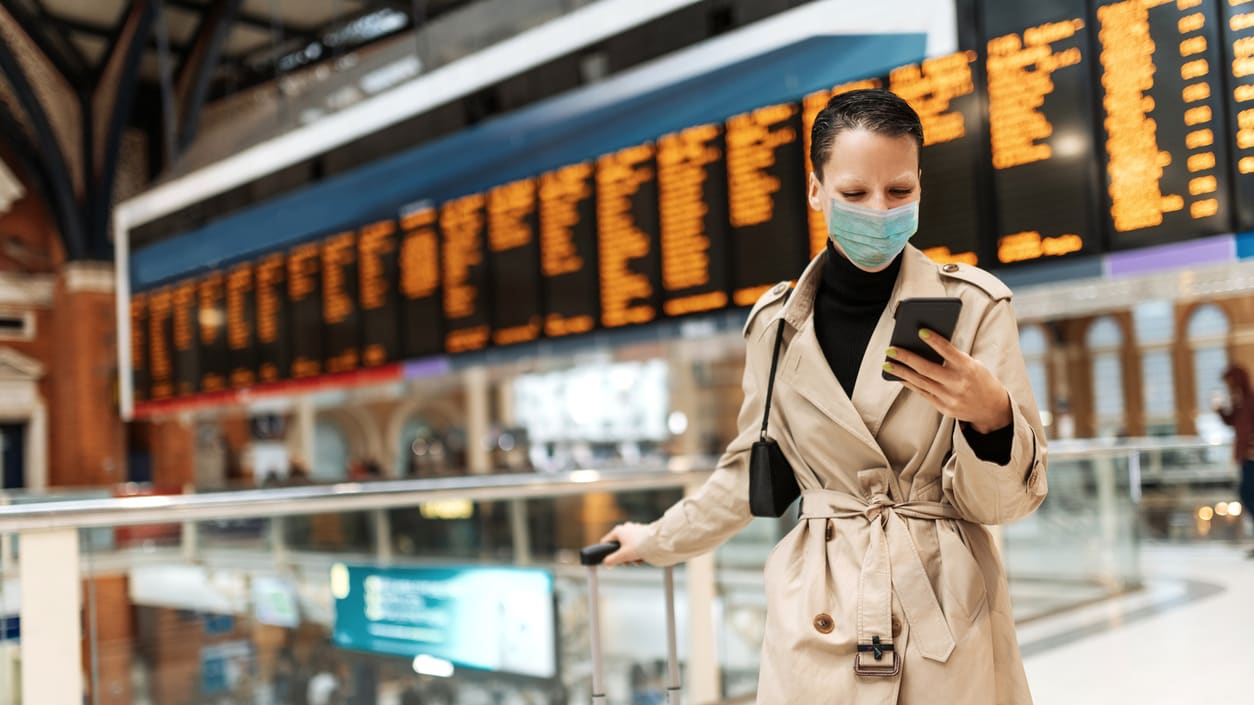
{"type": "Point", "coordinates": [871, 238]}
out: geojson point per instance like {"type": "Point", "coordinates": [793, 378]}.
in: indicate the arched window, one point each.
{"type": "Point", "coordinates": [1154, 323]}
{"type": "Point", "coordinates": [1208, 343]}
{"type": "Point", "coordinates": [1105, 342]}
{"type": "Point", "coordinates": [330, 463]}
{"type": "Point", "coordinates": [1035, 347]}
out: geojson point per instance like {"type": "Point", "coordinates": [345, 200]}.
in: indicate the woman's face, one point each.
{"type": "Point", "coordinates": [870, 170]}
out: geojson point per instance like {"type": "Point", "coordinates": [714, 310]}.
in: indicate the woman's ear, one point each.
{"type": "Point", "coordinates": [814, 194]}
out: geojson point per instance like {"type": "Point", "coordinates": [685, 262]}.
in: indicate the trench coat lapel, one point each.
{"type": "Point", "coordinates": [873, 395]}
{"type": "Point", "coordinates": [804, 365]}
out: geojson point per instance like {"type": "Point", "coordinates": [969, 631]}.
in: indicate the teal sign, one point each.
{"type": "Point", "coordinates": [489, 619]}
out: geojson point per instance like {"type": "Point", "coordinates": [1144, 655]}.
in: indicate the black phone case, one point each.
{"type": "Point", "coordinates": [939, 315]}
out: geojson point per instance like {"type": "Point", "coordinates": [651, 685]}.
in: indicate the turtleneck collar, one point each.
{"type": "Point", "coordinates": [845, 282]}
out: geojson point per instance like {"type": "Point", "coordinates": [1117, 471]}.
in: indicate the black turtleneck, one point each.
{"type": "Point", "coordinates": [847, 307]}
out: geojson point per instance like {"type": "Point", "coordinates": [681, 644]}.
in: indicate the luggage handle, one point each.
{"type": "Point", "coordinates": [593, 556]}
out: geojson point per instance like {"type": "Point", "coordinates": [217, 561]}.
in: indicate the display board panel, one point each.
{"type": "Point", "coordinates": [184, 332]}
{"type": "Point", "coordinates": [1238, 43]}
{"type": "Point", "coordinates": [692, 208]}
{"type": "Point", "coordinates": [464, 269]}
{"type": "Point", "coordinates": [1041, 106]}
{"type": "Point", "coordinates": [627, 236]}
{"type": "Point", "coordinates": [241, 325]}
{"type": "Point", "coordinates": [274, 347]}
{"type": "Point", "coordinates": [304, 302]}
{"type": "Point", "coordinates": [422, 314]}
{"type": "Point", "coordinates": [215, 362]}
{"type": "Point", "coordinates": [514, 251]}
{"type": "Point", "coordinates": [139, 346]}
{"type": "Point", "coordinates": [568, 250]}
{"type": "Point", "coordinates": [341, 318]}
{"type": "Point", "coordinates": [1161, 78]}
{"type": "Point", "coordinates": [943, 92]}
{"type": "Point", "coordinates": [378, 270]}
{"type": "Point", "coordinates": [766, 200]}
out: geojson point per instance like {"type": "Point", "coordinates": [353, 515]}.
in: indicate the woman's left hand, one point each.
{"type": "Point", "coordinates": [962, 388]}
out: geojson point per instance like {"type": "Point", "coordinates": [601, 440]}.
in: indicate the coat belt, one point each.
{"type": "Point", "coordinates": [891, 561]}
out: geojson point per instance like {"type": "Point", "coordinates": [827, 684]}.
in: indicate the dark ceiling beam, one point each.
{"type": "Point", "coordinates": [63, 54]}
{"type": "Point", "coordinates": [139, 24]}
{"type": "Point", "coordinates": [197, 67]}
{"type": "Point", "coordinates": [63, 200]}
{"type": "Point", "coordinates": [249, 19]}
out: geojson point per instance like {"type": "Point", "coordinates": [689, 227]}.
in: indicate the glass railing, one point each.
{"type": "Point", "coordinates": [377, 591]}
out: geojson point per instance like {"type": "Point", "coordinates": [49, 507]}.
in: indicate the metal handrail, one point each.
{"type": "Point", "coordinates": [393, 494]}
{"type": "Point", "coordinates": [342, 497]}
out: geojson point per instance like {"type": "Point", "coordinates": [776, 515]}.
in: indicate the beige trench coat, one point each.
{"type": "Point", "coordinates": [892, 546]}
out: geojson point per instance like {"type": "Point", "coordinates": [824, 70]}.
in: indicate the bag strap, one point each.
{"type": "Point", "coordinates": [770, 382]}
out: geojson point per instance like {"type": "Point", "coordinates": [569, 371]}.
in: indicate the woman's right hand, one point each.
{"type": "Point", "coordinates": [629, 536]}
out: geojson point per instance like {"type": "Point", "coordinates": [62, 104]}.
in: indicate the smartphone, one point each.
{"type": "Point", "coordinates": [939, 315]}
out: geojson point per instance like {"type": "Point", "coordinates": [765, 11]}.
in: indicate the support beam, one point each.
{"type": "Point", "coordinates": [55, 44]}
{"type": "Point", "coordinates": [192, 82]}
{"type": "Point", "coordinates": [140, 21]}
{"type": "Point", "coordinates": [62, 199]}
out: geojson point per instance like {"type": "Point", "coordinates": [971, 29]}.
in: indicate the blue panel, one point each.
{"type": "Point", "coordinates": [566, 129]}
{"type": "Point", "coordinates": [1051, 272]}
{"type": "Point", "coordinates": [1245, 245]}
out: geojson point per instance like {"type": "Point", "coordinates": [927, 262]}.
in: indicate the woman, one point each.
{"type": "Point", "coordinates": [889, 589]}
{"type": "Point", "coordinates": [1240, 416]}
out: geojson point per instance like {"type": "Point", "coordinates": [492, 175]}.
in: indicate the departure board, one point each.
{"type": "Point", "coordinates": [304, 306]}
{"type": "Point", "coordinates": [378, 271]}
{"type": "Point", "coordinates": [811, 106]}
{"type": "Point", "coordinates": [1238, 38]}
{"type": "Point", "coordinates": [184, 333]}
{"type": "Point", "coordinates": [214, 355]}
{"type": "Point", "coordinates": [1161, 75]}
{"type": "Point", "coordinates": [241, 326]}
{"type": "Point", "coordinates": [340, 319]}
{"type": "Point", "coordinates": [568, 244]}
{"type": "Point", "coordinates": [942, 91]}
{"type": "Point", "coordinates": [421, 311]}
{"type": "Point", "coordinates": [1041, 106]}
{"type": "Point", "coordinates": [274, 341]}
{"type": "Point", "coordinates": [515, 263]}
{"type": "Point", "coordinates": [692, 208]}
{"type": "Point", "coordinates": [766, 199]}
{"type": "Point", "coordinates": [464, 270]}
{"type": "Point", "coordinates": [627, 233]}
{"type": "Point", "coordinates": [139, 346]}
{"type": "Point", "coordinates": [160, 353]}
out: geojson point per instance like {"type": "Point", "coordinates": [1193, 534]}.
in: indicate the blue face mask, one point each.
{"type": "Point", "coordinates": [871, 238]}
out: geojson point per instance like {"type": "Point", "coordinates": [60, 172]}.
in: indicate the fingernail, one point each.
{"type": "Point", "coordinates": [925, 334]}
{"type": "Point", "coordinates": [892, 352]}
{"type": "Point", "coordinates": [888, 367]}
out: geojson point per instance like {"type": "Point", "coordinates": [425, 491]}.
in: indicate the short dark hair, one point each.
{"type": "Point", "coordinates": [875, 109]}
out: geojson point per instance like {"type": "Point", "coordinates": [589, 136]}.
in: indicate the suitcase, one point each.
{"type": "Point", "coordinates": [592, 556]}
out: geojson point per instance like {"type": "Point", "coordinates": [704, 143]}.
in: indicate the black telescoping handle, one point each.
{"type": "Point", "coordinates": [595, 555]}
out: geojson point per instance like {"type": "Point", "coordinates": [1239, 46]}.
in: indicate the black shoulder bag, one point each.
{"type": "Point", "coordinates": [772, 484]}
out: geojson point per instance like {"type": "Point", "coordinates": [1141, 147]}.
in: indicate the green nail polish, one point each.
{"type": "Point", "coordinates": [925, 334]}
{"type": "Point", "coordinates": [892, 352]}
{"type": "Point", "coordinates": [888, 367]}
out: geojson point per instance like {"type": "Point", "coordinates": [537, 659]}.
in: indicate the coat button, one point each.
{"type": "Point", "coordinates": [950, 268]}
{"type": "Point", "coordinates": [780, 288]}
{"type": "Point", "coordinates": [896, 627]}
{"type": "Point", "coordinates": [824, 623]}
{"type": "Point", "coordinates": [830, 532]}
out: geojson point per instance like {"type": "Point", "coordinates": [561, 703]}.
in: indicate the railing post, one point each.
{"type": "Point", "coordinates": [51, 618]}
{"type": "Point", "coordinates": [382, 536]}
{"type": "Point", "coordinates": [520, 531]}
{"type": "Point", "coordinates": [703, 671]}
